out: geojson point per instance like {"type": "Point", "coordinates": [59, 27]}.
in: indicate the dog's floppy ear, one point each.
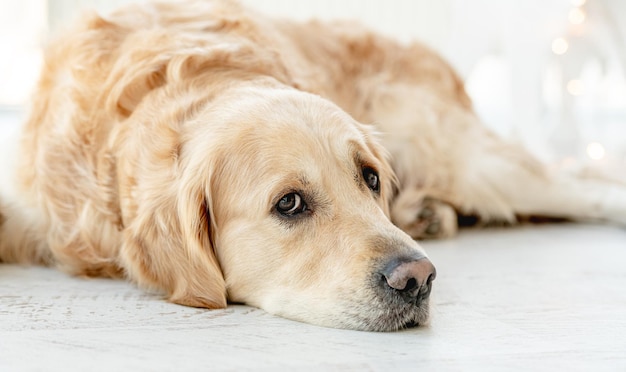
{"type": "Point", "coordinates": [167, 221]}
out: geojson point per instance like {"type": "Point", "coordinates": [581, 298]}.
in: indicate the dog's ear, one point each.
{"type": "Point", "coordinates": [168, 247]}
{"type": "Point", "coordinates": [166, 209]}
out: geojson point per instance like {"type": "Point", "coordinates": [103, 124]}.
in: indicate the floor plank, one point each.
{"type": "Point", "coordinates": [532, 298]}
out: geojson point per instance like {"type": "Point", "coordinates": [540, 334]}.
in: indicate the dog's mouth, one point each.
{"type": "Point", "coordinates": [395, 321]}
{"type": "Point", "coordinates": [415, 316]}
{"type": "Point", "coordinates": [411, 324]}
{"type": "Point", "coordinates": [387, 312]}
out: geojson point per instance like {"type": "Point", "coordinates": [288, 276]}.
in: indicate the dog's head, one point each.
{"type": "Point", "coordinates": [274, 198]}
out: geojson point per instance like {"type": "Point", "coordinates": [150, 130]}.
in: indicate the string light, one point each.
{"type": "Point", "coordinates": [577, 16]}
{"type": "Point", "coordinates": [596, 151]}
{"type": "Point", "coordinates": [575, 87]}
{"type": "Point", "coordinates": [559, 46]}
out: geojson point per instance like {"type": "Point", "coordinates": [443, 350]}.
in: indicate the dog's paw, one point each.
{"type": "Point", "coordinates": [427, 219]}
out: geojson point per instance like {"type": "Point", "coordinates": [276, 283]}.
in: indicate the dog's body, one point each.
{"type": "Point", "coordinates": [194, 148]}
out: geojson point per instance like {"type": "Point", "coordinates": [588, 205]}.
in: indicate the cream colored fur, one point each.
{"type": "Point", "coordinates": [161, 139]}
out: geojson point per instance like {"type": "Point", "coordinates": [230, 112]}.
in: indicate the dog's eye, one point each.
{"type": "Point", "coordinates": [371, 179]}
{"type": "Point", "coordinates": [291, 204]}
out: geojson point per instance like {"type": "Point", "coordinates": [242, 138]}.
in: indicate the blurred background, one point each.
{"type": "Point", "coordinates": [550, 74]}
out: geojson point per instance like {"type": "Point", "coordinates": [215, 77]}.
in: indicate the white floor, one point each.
{"type": "Point", "coordinates": [531, 298]}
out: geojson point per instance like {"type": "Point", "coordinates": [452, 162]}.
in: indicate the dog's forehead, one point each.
{"type": "Point", "coordinates": [301, 124]}
{"type": "Point", "coordinates": [291, 135]}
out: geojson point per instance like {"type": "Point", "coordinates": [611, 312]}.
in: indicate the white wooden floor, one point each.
{"type": "Point", "coordinates": [550, 297]}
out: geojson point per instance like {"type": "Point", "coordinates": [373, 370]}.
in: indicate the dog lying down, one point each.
{"type": "Point", "coordinates": [219, 155]}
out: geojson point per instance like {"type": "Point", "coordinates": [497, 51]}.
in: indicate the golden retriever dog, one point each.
{"type": "Point", "coordinates": [219, 155]}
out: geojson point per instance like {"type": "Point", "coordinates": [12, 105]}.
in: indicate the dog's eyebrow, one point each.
{"type": "Point", "coordinates": [290, 183]}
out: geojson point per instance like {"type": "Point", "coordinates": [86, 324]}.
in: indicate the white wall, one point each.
{"type": "Point", "coordinates": [501, 47]}
{"type": "Point", "coordinates": [22, 28]}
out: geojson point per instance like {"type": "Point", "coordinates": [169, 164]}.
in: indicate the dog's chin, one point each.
{"type": "Point", "coordinates": [410, 316]}
{"type": "Point", "coordinates": [371, 314]}
{"type": "Point", "coordinates": [384, 316]}
{"type": "Point", "coordinates": [377, 309]}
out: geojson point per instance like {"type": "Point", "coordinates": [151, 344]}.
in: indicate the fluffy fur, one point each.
{"type": "Point", "coordinates": [162, 138]}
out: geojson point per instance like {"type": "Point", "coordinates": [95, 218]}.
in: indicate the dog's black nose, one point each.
{"type": "Point", "coordinates": [412, 278]}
